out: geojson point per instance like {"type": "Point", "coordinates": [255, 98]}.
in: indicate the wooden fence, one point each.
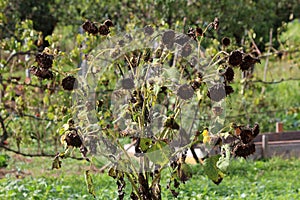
{"type": "Point", "coordinates": [285, 144]}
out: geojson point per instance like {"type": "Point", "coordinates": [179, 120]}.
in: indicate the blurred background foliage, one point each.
{"type": "Point", "coordinates": [236, 17]}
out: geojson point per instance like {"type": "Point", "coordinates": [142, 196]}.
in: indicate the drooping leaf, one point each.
{"type": "Point", "coordinates": [211, 169]}
{"type": "Point", "coordinates": [159, 153]}
{"type": "Point", "coordinates": [112, 172]}
{"type": "Point", "coordinates": [224, 160]}
{"type": "Point", "coordinates": [89, 183]}
{"type": "Point", "coordinates": [184, 172]}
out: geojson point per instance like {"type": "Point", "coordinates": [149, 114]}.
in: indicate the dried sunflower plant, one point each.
{"type": "Point", "coordinates": [151, 100]}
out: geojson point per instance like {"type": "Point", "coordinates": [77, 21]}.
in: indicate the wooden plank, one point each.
{"type": "Point", "coordinates": [279, 142]}
{"type": "Point", "coordinates": [286, 150]}
{"type": "Point", "coordinates": [291, 135]}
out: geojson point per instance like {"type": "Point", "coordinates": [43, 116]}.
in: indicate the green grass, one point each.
{"type": "Point", "coordinates": [271, 179]}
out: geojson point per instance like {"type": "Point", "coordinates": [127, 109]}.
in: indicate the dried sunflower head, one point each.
{"type": "Point", "coordinates": [216, 92]}
{"type": "Point", "coordinates": [244, 150]}
{"type": "Point", "coordinates": [108, 23]}
{"type": "Point", "coordinates": [69, 83]}
{"type": "Point", "coordinates": [148, 30]}
{"type": "Point", "coordinates": [225, 41]}
{"type": "Point", "coordinates": [168, 37]}
{"type": "Point", "coordinates": [103, 29]}
{"type": "Point", "coordinates": [42, 73]}
{"type": "Point", "coordinates": [248, 62]}
{"type": "Point", "coordinates": [235, 58]}
{"type": "Point", "coordinates": [90, 27]}
{"type": "Point", "coordinates": [44, 60]}
{"type": "Point", "coordinates": [229, 74]}
{"type": "Point", "coordinates": [185, 92]}
{"type": "Point", "coordinates": [127, 83]}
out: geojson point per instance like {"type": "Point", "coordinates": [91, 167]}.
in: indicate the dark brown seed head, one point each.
{"type": "Point", "coordinates": [42, 73]}
{"type": "Point", "coordinates": [73, 139]}
{"type": "Point", "coordinates": [90, 27]}
{"type": "Point", "coordinates": [246, 135]}
{"type": "Point", "coordinates": [228, 90]}
{"type": "Point", "coordinates": [199, 31]}
{"type": "Point", "coordinates": [229, 74]}
{"type": "Point", "coordinates": [71, 122]}
{"type": "Point", "coordinates": [108, 23]}
{"type": "Point", "coordinates": [69, 83]}
{"type": "Point", "coordinates": [168, 37]}
{"type": "Point", "coordinates": [217, 110]}
{"type": "Point", "coordinates": [248, 62]}
{"type": "Point", "coordinates": [216, 92]}
{"type": "Point", "coordinates": [148, 30]}
{"type": "Point", "coordinates": [225, 41]}
{"type": "Point", "coordinates": [185, 92]}
{"type": "Point", "coordinates": [244, 150]}
{"type": "Point", "coordinates": [103, 29]}
{"type": "Point", "coordinates": [181, 39]}
{"type": "Point", "coordinates": [44, 60]}
{"type": "Point", "coordinates": [235, 58]}
{"type": "Point", "coordinates": [83, 151]}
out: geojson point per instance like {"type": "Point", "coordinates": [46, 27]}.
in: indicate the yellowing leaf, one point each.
{"type": "Point", "coordinates": [89, 183]}
{"type": "Point", "coordinates": [56, 164]}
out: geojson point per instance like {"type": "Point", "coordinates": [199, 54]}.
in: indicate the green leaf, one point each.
{"type": "Point", "coordinates": [89, 183]}
{"type": "Point", "coordinates": [50, 116]}
{"type": "Point", "coordinates": [211, 169]}
{"type": "Point", "coordinates": [159, 153]}
{"type": "Point", "coordinates": [145, 144]}
{"type": "Point", "coordinates": [184, 172]}
{"type": "Point", "coordinates": [46, 100]}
